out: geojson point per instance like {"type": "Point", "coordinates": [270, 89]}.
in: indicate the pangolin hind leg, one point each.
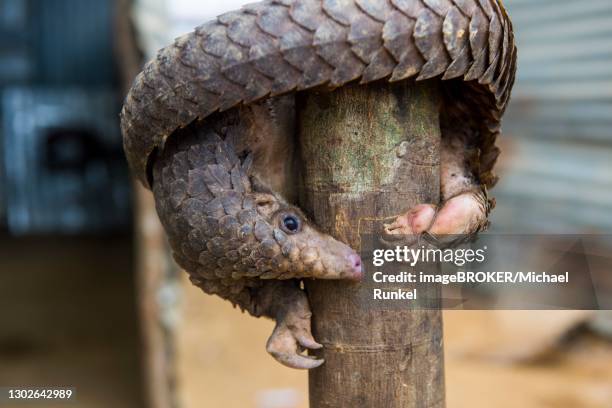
{"type": "Point", "coordinates": [464, 204]}
{"type": "Point", "coordinates": [216, 189]}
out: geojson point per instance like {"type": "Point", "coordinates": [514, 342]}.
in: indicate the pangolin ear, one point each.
{"type": "Point", "coordinates": [267, 204]}
{"type": "Point", "coordinates": [265, 198]}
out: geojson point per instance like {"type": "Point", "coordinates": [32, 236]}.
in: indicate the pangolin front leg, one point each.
{"type": "Point", "coordinates": [236, 236]}
{"type": "Point", "coordinates": [284, 302]}
{"type": "Point", "coordinates": [464, 206]}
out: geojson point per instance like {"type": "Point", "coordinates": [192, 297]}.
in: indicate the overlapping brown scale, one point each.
{"type": "Point", "coordinates": [135, 96]}
{"type": "Point", "coordinates": [398, 40]}
{"type": "Point", "coordinates": [267, 59]}
{"type": "Point", "coordinates": [479, 45]}
{"type": "Point", "coordinates": [217, 179]}
{"type": "Point", "coordinates": [455, 30]}
{"type": "Point", "coordinates": [238, 28]}
{"type": "Point", "coordinates": [410, 8]}
{"type": "Point", "coordinates": [232, 203]}
{"type": "Point", "coordinates": [254, 84]}
{"type": "Point", "coordinates": [205, 66]}
{"type": "Point", "coordinates": [199, 156]}
{"type": "Point", "coordinates": [378, 10]}
{"type": "Point", "coordinates": [308, 14]}
{"type": "Point", "coordinates": [366, 43]}
{"type": "Point", "coordinates": [262, 230]}
{"type": "Point", "coordinates": [198, 66]}
{"type": "Point", "coordinates": [180, 167]}
{"type": "Point", "coordinates": [330, 41]}
{"type": "Point", "coordinates": [487, 7]}
{"type": "Point", "coordinates": [499, 86]}
{"type": "Point", "coordinates": [505, 23]}
{"type": "Point", "coordinates": [364, 36]}
{"type": "Point", "coordinates": [214, 208]}
{"type": "Point", "coordinates": [349, 58]}
{"type": "Point", "coordinates": [495, 51]}
{"type": "Point", "coordinates": [154, 86]}
{"type": "Point", "coordinates": [428, 39]}
{"type": "Point", "coordinates": [215, 42]}
{"type": "Point", "coordinates": [440, 7]}
{"type": "Point", "coordinates": [239, 184]}
{"type": "Point", "coordinates": [178, 193]}
{"type": "Point", "coordinates": [219, 53]}
{"type": "Point", "coordinates": [275, 22]}
{"type": "Point", "coordinates": [381, 66]}
{"type": "Point", "coordinates": [194, 209]}
{"type": "Point", "coordinates": [340, 10]}
{"type": "Point", "coordinates": [316, 71]}
{"type": "Point", "coordinates": [467, 7]}
{"type": "Point", "coordinates": [196, 243]}
{"type": "Point", "coordinates": [229, 230]}
{"type": "Point", "coordinates": [210, 226]}
{"type": "Point", "coordinates": [456, 38]}
{"type": "Point", "coordinates": [287, 3]}
{"type": "Point", "coordinates": [508, 62]}
{"type": "Point", "coordinates": [296, 48]}
{"type": "Point", "coordinates": [225, 156]}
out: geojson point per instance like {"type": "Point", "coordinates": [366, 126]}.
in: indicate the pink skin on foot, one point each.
{"type": "Point", "coordinates": [355, 260]}
{"type": "Point", "coordinates": [462, 214]}
{"type": "Point", "coordinates": [414, 221]}
{"type": "Point", "coordinates": [459, 215]}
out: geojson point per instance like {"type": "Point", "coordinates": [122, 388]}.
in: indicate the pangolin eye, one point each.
{"type": "Point", "coordinates": [290, 223]}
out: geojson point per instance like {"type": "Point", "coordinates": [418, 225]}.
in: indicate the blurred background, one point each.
{"type": "Point", "coordinates": [89, 297]}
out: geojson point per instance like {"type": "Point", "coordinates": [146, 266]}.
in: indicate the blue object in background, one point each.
{"type": "Point", "coordinates": [62, 169]}
{"type": "Point", "coordinates": [72, 42]}
{"type": "Point", "coordinates": [65, 171]}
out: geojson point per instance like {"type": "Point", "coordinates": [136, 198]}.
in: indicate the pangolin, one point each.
{"type": "Point", "coordinates": [209, 123]}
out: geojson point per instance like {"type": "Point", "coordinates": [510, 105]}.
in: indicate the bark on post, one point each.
{"type": "Point", "coordinates": [369, 154]}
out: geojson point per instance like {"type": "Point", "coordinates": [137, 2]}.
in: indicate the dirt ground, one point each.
{"type": "Point", "coordinates": [67, 318]}
{"type": "Point", "coordinates": [222, 362]}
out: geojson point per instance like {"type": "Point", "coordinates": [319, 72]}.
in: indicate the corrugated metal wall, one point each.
{"type": "Point", "coordinates": [15, 62]}
{"type": "Point", "coordinates": [58, 71]}
{"type": "Point", "coordinates": [73, 42]}
{"type": "Point", "coordinates": [558, 160]}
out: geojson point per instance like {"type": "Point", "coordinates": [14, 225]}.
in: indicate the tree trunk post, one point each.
{"type": "Point", "coordinates": [370, 153]}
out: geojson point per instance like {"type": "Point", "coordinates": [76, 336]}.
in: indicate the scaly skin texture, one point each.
{"type": "Point", "coordinates": [205, 128]}
{"type": "Point", "coordinates": [226, 228]}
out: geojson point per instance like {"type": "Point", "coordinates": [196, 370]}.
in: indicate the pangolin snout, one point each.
{"type": "Point", "coordinates": [320, 254]}
{"type": "Point", "coordinates": [342, 261]}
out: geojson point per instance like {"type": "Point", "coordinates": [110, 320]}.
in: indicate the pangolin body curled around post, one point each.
{"type": "Point", "coordinates": [208, 125]}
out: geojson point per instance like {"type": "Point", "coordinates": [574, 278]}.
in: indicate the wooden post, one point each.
{"type": "Point", "coordinates": [369, 154]}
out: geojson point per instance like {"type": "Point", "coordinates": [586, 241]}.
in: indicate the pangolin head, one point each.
{"type": "Point", "coordinates": [223, 223]}
{"type": "Point", "coordinates": [295, 247]}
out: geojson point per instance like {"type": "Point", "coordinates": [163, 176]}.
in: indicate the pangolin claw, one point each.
{"type": "Point", "coordinates": [285, 345]}
{"type": "Point", "coordinates": [290, 337]}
